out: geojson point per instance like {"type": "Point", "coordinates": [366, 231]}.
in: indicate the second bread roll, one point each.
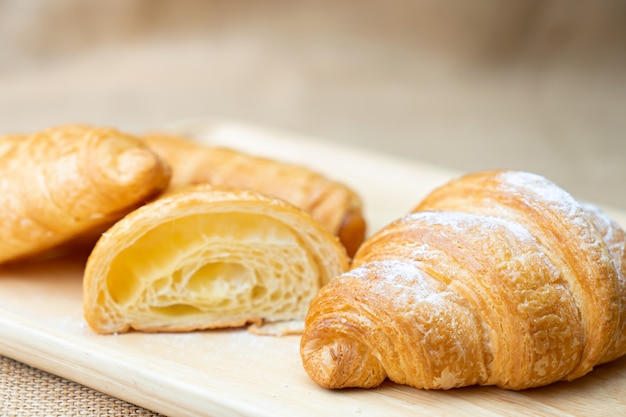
{"type": "Point", "coordinates": [333, 204]}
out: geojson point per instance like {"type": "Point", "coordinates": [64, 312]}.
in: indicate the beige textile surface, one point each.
{"type": "Point", "coordinates": [529, 84]}
{"type": "Point", "coordinates": [26, 391]}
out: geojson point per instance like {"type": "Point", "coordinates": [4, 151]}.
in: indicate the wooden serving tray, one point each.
{"type": "Point", "coordinates": [234, 373]}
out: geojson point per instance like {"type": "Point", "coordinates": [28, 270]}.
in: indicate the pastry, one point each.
{"type": "Point", "coordinates": [206, 257]}
{"type": "Point", "coordinates": [65, 182]}
{"type": "Point", "coordinates": [333, 204]}
{"type": "Point", "coordinates": [496, 278]}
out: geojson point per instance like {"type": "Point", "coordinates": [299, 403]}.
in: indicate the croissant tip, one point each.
{"type": "Point", "coordinates": [342, 363]}
{"type": "Point", "coordinates": [131, 164]}
{"type": "Point", "coordinates": [328, 366]}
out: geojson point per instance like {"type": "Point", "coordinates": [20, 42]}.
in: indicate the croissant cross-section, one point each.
{"type": "Point", "coordinates": [206, 258]}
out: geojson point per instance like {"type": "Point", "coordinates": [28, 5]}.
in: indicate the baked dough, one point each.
{"type": "Point", "coordinates": [333, 204]}
{"type": "Point", "coordinates": [208, 257]}
{"type": "Point", "coordinates": [497, 278]}
{"type": "Point", "coordinates": [69, 181]}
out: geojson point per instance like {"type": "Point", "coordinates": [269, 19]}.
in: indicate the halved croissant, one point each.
{"type": "Point", "coordinates": [206, 257]}
{"type": "Point", "coordinates": [498, 278]}
{"type": "Point", "coordinates": [333, 204]}
{"type": "Point", "coordinates": [68, 181]}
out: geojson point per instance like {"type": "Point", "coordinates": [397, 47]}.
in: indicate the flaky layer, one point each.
{"type": "Point", "coordinates": [205, 258]}
{"type": "Point", "coordinates": [615, 239]}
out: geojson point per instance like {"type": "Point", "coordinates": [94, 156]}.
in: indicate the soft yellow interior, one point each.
{"type": "Point", "coordinates": [211, 263]}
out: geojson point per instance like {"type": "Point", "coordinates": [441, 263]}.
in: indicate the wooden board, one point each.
{"type": "Point", "coordinates": [234, 373]}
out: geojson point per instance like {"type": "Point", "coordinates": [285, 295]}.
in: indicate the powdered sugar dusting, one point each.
{"type": "Point", "coordinates": [562, 204]}
{"type": "Point", "coordinates": [605, 225]}
{"type": "Point", "coordinates": [409, 282]}
{"type": "Point", "coordinates": [459, 223]}
{"type": "Point", "coordinates": [532, 184]}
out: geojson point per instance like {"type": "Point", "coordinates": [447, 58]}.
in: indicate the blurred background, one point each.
{"type": "Point", "coordinates": [538, 85]}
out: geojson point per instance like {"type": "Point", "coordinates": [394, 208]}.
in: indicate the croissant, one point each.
{"type": "Point", "coordinates": [208, 257]}
{"type": "Point", "coordinates": [333, 204]}
{"type": "Point", "coordinates": [69, 181]}
{"type": "Point", "coordinates": [496, 278]}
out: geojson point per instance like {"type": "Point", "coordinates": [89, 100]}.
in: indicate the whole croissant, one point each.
{"type": "Point", "coordinates": [497, 278]}
{"type": "Point", "coordinates": [334, 205]}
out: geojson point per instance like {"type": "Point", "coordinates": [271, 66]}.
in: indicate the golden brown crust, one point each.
{"type": "Point", "coordinates": [334, 205]}
{"type": "Point", "coordinates": [68, 181]}
{"type": "Point", "coordinates": [478, 286]}
{"type": "Point", "coordinates": [207, 257]}
{"type": "Point", "coordinates": [565, 233]}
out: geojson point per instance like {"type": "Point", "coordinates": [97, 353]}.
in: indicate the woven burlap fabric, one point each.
{"type": "Point", "coordinates": [26, 391]}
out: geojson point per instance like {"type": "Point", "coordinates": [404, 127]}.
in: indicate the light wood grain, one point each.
{"type": "Point", "coordinates": [234, 373]}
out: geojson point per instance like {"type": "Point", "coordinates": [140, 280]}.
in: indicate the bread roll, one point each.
{"type": "Point", "coordinates": [70, 181]}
